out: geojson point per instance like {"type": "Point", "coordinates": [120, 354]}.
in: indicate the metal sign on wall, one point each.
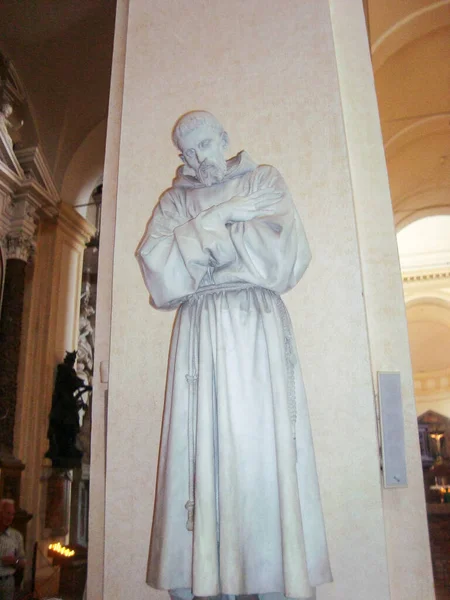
{"type": "Point", "coordinates": [392, 430]}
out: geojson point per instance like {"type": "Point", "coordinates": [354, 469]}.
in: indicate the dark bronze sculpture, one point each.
{"type": "Point", "coordinates": [64, 424]}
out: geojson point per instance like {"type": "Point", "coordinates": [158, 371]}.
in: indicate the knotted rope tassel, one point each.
{"type": "Point", "coordinates": [192, 379]}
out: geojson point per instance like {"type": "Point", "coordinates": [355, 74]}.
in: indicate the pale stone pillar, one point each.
{"type": "Point", "coordinates": [404, 513]}
{"type": "Point", "coordinates": [50, 327]}
{"type": "Point", "coordinates": [276, 76]}
{"type": "Point", "coordinates": [103, 313]}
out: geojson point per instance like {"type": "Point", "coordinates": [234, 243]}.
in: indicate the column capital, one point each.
{"type": "Point", "coordinates": [20, 240]}
{"type": "Point", "coordinates": [20, 246]}
{"type": "Point", "coordinates": [74, 225]}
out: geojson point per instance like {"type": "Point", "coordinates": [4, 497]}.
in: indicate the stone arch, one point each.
{"type": "Point", "coordinates": [422, 150]}
{"type": "Point", "coordinates": [85, 171]}
{"type": "Point", "coordinates": [402, 220]}
{"type": "Point", "coordinates": [411, 27]}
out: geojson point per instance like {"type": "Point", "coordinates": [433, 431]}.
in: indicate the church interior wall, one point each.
{"type": "Point", "coordinates": [85, 170]}
{"type": "Point", "coordinates": [57, 108]}
{"type": "Point", "coordinates": [319, 179]}
{"type": "Point", "coordinates": [56, 284]}
{"type": "Point", "coordinates": [71, 130]}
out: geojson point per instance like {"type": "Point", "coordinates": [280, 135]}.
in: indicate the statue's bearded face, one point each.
{"type": "Point", "coordinates": [203, 149]}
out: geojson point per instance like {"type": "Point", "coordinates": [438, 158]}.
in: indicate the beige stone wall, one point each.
{"type": "Point", "coordinates": [268, 71]}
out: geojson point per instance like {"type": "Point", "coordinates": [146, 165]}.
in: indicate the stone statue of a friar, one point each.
{"type": "Point", "coordinates": [237, 508]}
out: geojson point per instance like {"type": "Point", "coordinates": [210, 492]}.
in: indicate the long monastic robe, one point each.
{"type": "Point", "coordinates": [237, 503]}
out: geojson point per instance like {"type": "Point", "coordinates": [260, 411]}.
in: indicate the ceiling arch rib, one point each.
{"type": "Point", "coordinates": [418, 160]}
{"type": "Point", "coordinates": [419, 172]}
{"type": "Point", "coordinates": [411, 27]}
{"type": "Point", "coordinates": [419, 129]}
{"type": "Point", "coordinates": [437, 308]}
{"type": "Point", "coordinates": [429, 203]}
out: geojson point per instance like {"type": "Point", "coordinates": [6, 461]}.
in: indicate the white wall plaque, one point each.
{"type": "Point", "coordinates": [392, 430]}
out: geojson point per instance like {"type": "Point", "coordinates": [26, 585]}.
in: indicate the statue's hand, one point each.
{"type": "Point", "coordinates": [257, 204]}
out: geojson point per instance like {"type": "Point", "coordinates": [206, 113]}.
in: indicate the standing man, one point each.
{"type": "Point", "coordinates": [12, 555]}
{"type": "Point", "coordinates": [237, 508]}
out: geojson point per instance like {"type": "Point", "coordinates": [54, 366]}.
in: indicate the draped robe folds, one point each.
{"type": "Point", "coordinates": [236, 459]}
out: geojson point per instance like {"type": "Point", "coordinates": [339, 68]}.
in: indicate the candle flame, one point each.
{"type": "Point", "coordinates": [61, 549]}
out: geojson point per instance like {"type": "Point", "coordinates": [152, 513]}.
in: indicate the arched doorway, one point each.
{"type": "Point", "coordinates": [424, 250]}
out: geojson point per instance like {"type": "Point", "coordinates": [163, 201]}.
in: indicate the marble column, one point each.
{"type": "Point", "coordinates": [10, 329]}
{"type": "Point", "coordinates": [19, 248]}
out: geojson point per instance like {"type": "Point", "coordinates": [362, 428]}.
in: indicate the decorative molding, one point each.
{"type": "Point", "coordinates": [11, 172]}
{"type": "Point", "coordinates": [74, 224]}
{"type": "Point", "coordinates": [426, 276]}
{"type": "Point", "coordinates": [20, 240]}
{"type": "Point", "coordinates": [433, 385]}
{"type": "Point", "coordinates": [33, 192]}
{"type": "Point", "coordinates": [21, 247]}
{"type": "Point", "coordinates": [12, 96]}
{"type": "Point", "coordinates": [27, 192]}
{"type": "Point", "coordinates": [36, 170]}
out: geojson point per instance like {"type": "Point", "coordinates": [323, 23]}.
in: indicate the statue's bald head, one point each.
{"type": "Point", "coordinates": [190, 121]}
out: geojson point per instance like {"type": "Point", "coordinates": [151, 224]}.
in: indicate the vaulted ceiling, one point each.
{"type": "Point", "coordinates": [410, 43]}
{"type": "Point", "coordinates": [62, 52]}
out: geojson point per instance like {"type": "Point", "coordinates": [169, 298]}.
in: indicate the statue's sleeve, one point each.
{"type": "Point", "coordinates": [178, 251]}
{"type": "Point", "coordinates": [172, 268]}
{"type": "Point", "coordinates": [269, 251]}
